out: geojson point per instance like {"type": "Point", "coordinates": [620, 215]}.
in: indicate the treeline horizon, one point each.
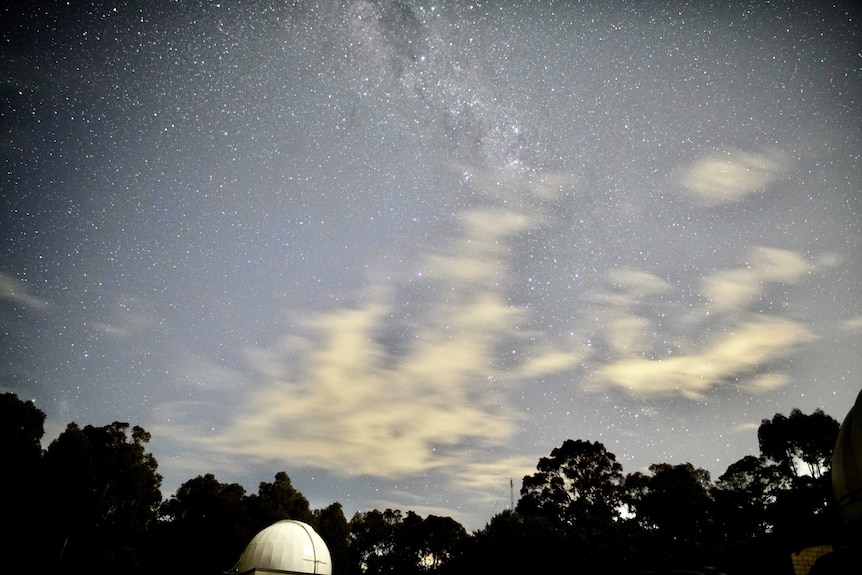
{"type": "Point", "coordinates": [91, 500]}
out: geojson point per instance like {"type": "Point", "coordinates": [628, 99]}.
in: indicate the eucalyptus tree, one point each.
{"type": "Point", "coordinates": [578, 486]}
{"type": "Point", "coordinates": [204, 526]}
{"type": "Point", "coordinates": [104, 496]}
{"type": "Point", "coordinates": [672, 505]}
{"type": "Point", "coordinates": [21, 482]}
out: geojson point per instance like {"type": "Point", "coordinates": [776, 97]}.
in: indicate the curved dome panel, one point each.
{"type": "Point", "coordinates": [287, 546]}
{"type": "Point", "coordinates": [847, 467]}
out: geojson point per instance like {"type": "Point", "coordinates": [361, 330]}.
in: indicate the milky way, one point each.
{"type": "Point", "coordinates": [401, 250]}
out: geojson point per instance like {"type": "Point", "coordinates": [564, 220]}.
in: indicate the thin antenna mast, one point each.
{"type": "Point", "coordinates": [511, 495]}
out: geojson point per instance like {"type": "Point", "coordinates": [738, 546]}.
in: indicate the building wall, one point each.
{"type": "Point", "coordinates": [804, 560]}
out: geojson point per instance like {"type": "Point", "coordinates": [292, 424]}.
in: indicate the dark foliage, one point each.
{"type": "Point", "coordinates": [578, 486]}
{"type": "Point", "coordinates": [278, 500]}
{"type": "Point", "coordinates": [97, 490]}
{"type": "Point", "coordinates": [672, 508]}
{"type": "Point", "coordinates": [204, 527]}
{"type": "Point", "coordinates": [742, 496]}
{"type": "Point", "coordinates": [104, 498]}
{"type": "Point", "coordinates": [21, 429]}
{"type": "Point", "coordinates": [800, 444]}
{"type": "Point", "coordinates": [332, 526]}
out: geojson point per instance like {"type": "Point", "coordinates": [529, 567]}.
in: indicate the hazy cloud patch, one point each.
{"type": "Point", "coordinates": [485, 477]}
{"type": "Point", "coordinates": [741, 353]}
{"type": "Point", "coordinates": [199, 373]}
{"type": "Point", "coordinates": [628, 286]}
{"type": "Point", "coordinates": [16, 291]}
{"type": "Point", "coordinates": [551, 361]}
{"type": "Point", "coordinates": [731, 176]}
{"type": "Point", "coordinates": [764, 382]}
{"type": "Point", "coordinates": [746, 427]}
{"type": "Point", "coordinates": [391, 390]}
{"type": "Point", "coordinates": [628, 333]}
{"type": "Point", "coordinates": [737, 288]}
{"type": "Point", "coordinates": [653, 340]}
{"type": "Point", "coordinates": [853, 324]}
{"type": "Point", "coordinates": [372, 389]}
{"type": "Point", "coordinates": [638, 283]}
{"type": "Point", "coordinates": [348, 409]}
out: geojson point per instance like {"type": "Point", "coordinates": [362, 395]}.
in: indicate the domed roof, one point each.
{"type": "Point", "coordinates": [847, 467]}
{"type": "Point", "coordinates": [287, 545]}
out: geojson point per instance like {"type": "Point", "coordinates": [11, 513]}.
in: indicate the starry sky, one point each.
{"type": "Point", "coordinates": [402, 250]}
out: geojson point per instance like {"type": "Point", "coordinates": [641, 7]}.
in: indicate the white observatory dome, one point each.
{"type": "Point", "coordinates": [286, 546]}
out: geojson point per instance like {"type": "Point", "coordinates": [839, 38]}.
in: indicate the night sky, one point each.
{"type": "Point", "coordinates": [402, 250]}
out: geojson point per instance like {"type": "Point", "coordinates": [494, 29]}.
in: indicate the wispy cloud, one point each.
{"type": "Point", "coordinates": [746, 427]}
{"type": "Point", "coordinates": [764, 382]}
{"type": "Point", "coordinates": [731, 176]}
{"type": "Point", "coordinates": [16, 291]}
{"type": "Point", "coordinates": [129, 317]}
{"type": "Point", "coordinates": [742, 352]}
{"type": "Point", "coordinates": [416, 376]}
{"type": "Point", "coordinates": [735, 289]}
{"type": "Point", "coordinates": [391, 390]}
{"type": "Point", "coordinates": [853, 324]}
{"type": "Point", "coordinates": [655, 345]}
{"type": "Point", "coordinates": [485, 477]}
{"type": "Point", "coordinates": [394, 390]}
{"type": "Point", "coordinates": [551, 361]}
{"type": "Point", "coordinates": [342, 395]}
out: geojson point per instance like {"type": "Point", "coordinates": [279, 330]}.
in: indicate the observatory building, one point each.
{"type": "Point", "coordinates": [288, 546]}
{"type": "Point", "coordinates": [847, 490]}
{"type": "Point", "coordinates": [847, 471]}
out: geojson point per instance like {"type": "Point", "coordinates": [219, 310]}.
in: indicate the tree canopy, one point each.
{"type": "Point", "coordinates": [205, 527]}
{"type": "Point", "coordinates": [108, 494]}
{"type": "Point", "coordinates": [21, 430]}
{"type": "Point", "coordinates": [800, 444]}
{"type": "Point", "coordinates": [673, 501]}
{"type": "Point", "coordinates": [577, 511]}
{"type": "Point", "coordinates": [279, 500]}
{"type": "Point", "coordinates": [579, 484]}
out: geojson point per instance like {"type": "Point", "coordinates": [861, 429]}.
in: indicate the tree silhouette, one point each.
{"type": "Point", "coordinates": [578, 485]}
{"type": "Point", "coordinates": [576, 496]}
{"type": "Point", "coordinates": [205, 527]}
{"type": "Point", "coordinates": [514, 543]}
{"type": "Point", "coordinates": [104, 498]}
{"type": "Point", "coordinates": [332, 526]}
{"type": "Point", "coordinates": [393, 542]}
{"type": "Point", "coordinates": [800, 444]}
{"type": "Point", "coordinates": [672, 505]}
{"type": "Point", "coordinates": [742, 496]}
{"type": "Point", "coordinates": [100, 488]}
{"type": "Point", "coordinates": [373, 540]}
{"type": "Point", "coordinates": [442, 540]}
{"type": "Point", "coordinates": [21, 429]}
{"type": "Point", "coordinates": [278, 500]}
